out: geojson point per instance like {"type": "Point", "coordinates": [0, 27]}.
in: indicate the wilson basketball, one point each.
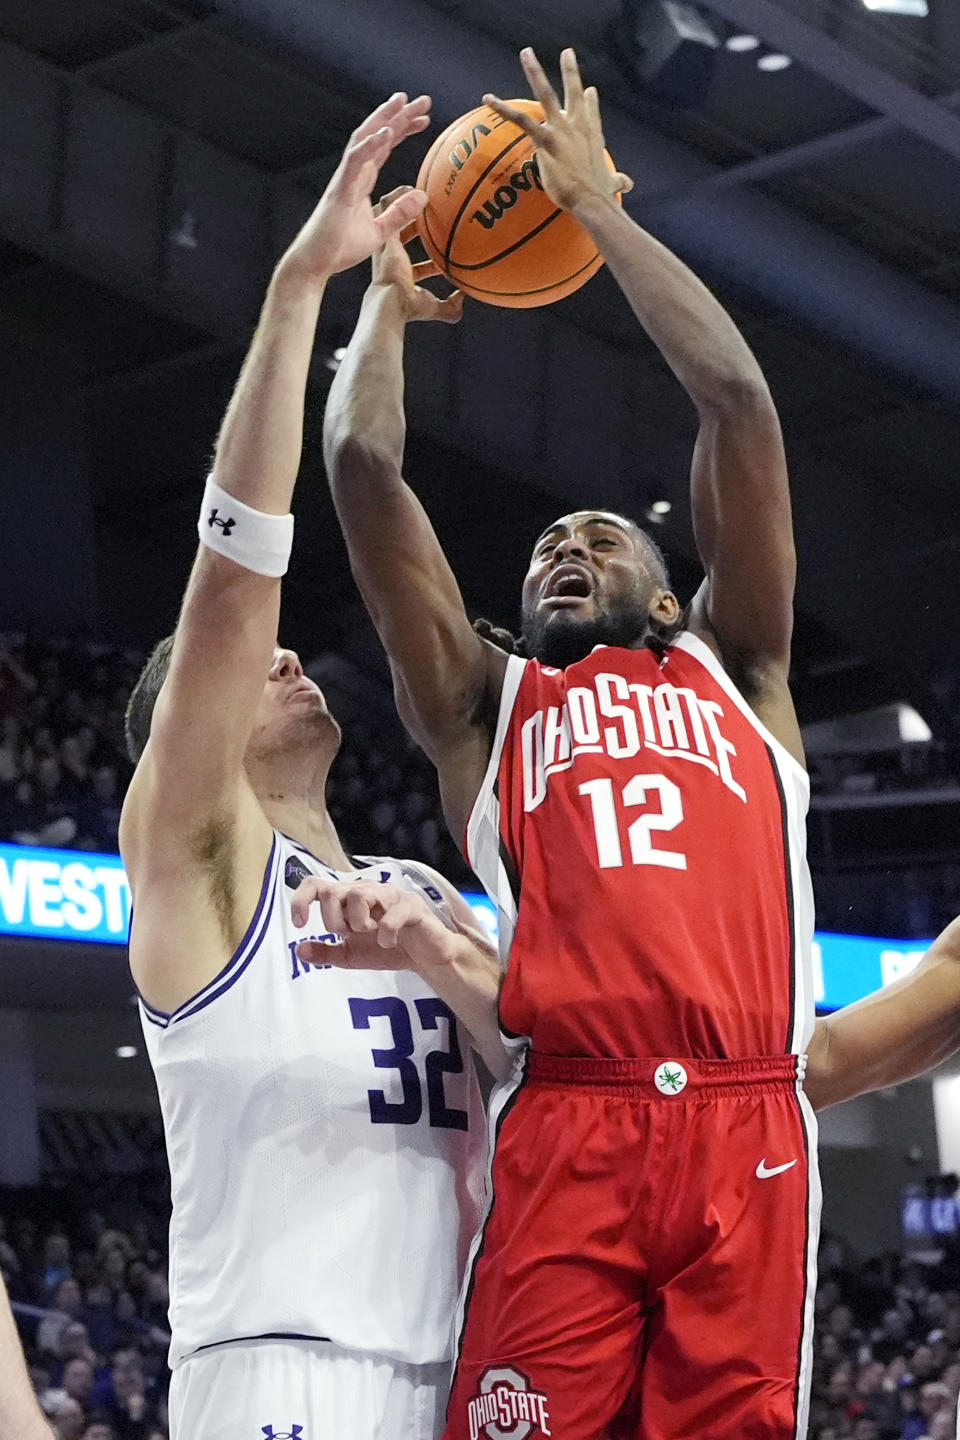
{"type": "Point", "coordinates": [488, 223]}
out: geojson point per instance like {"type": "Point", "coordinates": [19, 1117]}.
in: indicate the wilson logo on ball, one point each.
{"type": "Point", "coordinates": [506, 196]}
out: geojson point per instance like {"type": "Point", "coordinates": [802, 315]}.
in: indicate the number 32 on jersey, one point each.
{"type": "Point", "coordinates": [639, 791]}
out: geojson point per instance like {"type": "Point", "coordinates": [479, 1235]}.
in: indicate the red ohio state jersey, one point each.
{"type": "Point", "coordinates": [643, 836]}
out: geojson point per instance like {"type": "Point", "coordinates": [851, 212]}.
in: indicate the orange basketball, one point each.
{"type": "Point", "coordinates": [488, 223]}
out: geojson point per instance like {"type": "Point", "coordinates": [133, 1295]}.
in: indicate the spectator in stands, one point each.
{"type": "Point", "coordinates": [67, 1305]}
{"type": "Point", "coordinates": [68, 1420]}
{"type": "Point", "coordinates": [56, 1261]}
{"type": "Point", "coordinates": [934, 1396]}
{"type": "Point", "coordinates": [840, 1326]}
{"type": "Point", "coordinates": [99, 1317]}
{"type": "Point", "coordinates": [889, 1340]}
{"type": "Point", "coordinates": [75, 1345]}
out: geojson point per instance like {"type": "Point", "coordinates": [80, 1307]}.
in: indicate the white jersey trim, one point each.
{"type": "Point", "coordinates": [793, 782]}
{"type": "Point", "coordinates": [238, 961]}
{"type": "Point", "coordinates": [701, 651]}
{"type": "Point", "coordinates": [814, 1206]}
{"type": "Point", "coordinates": [483, 826]}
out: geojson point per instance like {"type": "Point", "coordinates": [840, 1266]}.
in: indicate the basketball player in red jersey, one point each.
{"type": "Point", "coordinates": [632, 793]}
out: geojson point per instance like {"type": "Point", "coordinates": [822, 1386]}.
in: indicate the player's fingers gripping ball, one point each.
{"type": "Point", "coordinates": [488, 224]}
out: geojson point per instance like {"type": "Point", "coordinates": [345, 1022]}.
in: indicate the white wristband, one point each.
{"type": "Point", "coordinates": [253, 539]}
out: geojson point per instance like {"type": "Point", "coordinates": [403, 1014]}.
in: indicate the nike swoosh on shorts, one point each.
{"type": "Point", "coordinates": [764, 1174]}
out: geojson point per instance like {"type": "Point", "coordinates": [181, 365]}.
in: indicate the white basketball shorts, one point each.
{"type": "Point", "coordinates": [304, 1390]}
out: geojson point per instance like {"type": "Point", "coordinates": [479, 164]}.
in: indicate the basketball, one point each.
{"type": "Point", "coordinates": [488, 223]}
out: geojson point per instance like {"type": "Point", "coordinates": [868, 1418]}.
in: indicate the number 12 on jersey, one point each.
{"type": "Point", "coordinates": [636, 792]}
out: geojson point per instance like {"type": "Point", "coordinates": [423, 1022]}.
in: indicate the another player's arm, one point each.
{"type": "Point", "coordinates": [740, 497]}
{"type": "Point", "coordinates": [443, 673]}
{"type": "Point", "coordinates": [20, 1415]}
{"type": "Point", "coordinates": [467, 976]}
{"type": "Point", "coordinates": [890, 1036]}
{"type": "Point", "coordinates": [192, 828]}
{"type": "Point", "coordinates": [388, 928]}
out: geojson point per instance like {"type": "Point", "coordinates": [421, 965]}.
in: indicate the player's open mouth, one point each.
{"type": "Point", "coordinates": [569, 583]}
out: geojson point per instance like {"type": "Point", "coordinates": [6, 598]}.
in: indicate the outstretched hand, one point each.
{"type": "Point", "coordinates": [346, 227]}
{"type": "Point", "coordinates": [382, 927]}
{"type": "Point", "coordinates": [569, 139]}
{"type": "Point", "coordinates": [393, 266]}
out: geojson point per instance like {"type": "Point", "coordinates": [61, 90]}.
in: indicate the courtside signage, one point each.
{"type": "Point", "coordinates": [76, 895]}
{"type": "Point", "coordinates": [63, 894]}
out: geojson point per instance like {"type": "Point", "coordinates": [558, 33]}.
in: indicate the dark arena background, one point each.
{"type": "Point", "coordinates": [156, 156]}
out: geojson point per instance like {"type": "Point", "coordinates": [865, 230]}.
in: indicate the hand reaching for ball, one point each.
{"type": "Point", "coordinates": [346, 227]}
{"type": "Point", "coordinates": [393, 266]}
{"type": "Point", "coordinates": [569, 141]}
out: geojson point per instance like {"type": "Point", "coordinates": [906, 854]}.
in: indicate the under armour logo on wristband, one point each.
{"type": "Point", "coordinates": [294, 1433]}
{"type": "Point", "coordinates": [225, 525]}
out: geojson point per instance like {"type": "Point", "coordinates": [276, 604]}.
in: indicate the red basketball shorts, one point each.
{"type": "Point", "coordinates": [647, 1268]}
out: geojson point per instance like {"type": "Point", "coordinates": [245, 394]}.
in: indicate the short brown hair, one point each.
{"type": "Point", "coordinates": [143, 698]}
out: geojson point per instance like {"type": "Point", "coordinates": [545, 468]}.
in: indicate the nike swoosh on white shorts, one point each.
{"type": "Point", "coordinates": [764, 1174]}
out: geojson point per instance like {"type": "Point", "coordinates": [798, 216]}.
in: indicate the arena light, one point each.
{"type": "Point", "coordinates": [661, 507]}
{"type": "Point", "coordinates": [770, 64]}
{"type": "Point", "coordinates": [899, 7]}
{"type": "Point", "coordinates": [127, 1052]}
{"type": "Point", "coordinates": [913, 728]}
{"type": "Point", "coordinates": [740, 44]}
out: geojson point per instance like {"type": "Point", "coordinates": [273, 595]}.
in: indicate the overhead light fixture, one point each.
{"type": "Point", "coordinates": [774, 62]}
{"type": "Point", "coordinates": [126, 1052]}
{"type": "Point", "coordinates": [661, 507]}
{"type": "Point", "coordinates": [739, 44]}
{"type": "Point", "coordinates": [913, 728]}
{"type": "Point", "coordinates": [899, 7]}
{"type": "Point", "coordinates": [667, 47]}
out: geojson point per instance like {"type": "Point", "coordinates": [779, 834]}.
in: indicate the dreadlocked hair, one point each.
{"type": "Point", "coordinates": [503, 639]}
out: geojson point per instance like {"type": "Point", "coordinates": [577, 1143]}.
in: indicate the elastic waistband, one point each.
{"type": "Point", "coordinates": [644, 1079]}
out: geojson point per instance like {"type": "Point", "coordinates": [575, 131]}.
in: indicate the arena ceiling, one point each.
{"type": "Point", "coordinates": [156, 155]}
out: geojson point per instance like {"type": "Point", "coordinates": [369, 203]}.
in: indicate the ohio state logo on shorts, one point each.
{"type": "Point", "coordinates": [505, 1407]}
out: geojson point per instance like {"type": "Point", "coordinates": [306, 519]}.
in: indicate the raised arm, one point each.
{"type": "Point", "coordinates": [191, 825]}
{"type": "Point", "coordinates": [443, 674]}
{"type": "Point", "coordinates": [891, 1036]}
{"type": "Point", "coordinates": [740, 498]}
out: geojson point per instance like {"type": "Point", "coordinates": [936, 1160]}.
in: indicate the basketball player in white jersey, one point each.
{"type": "Point", "coordinates": [324, 1126]}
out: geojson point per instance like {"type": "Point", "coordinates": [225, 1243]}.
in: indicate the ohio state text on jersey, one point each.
{"type": "Point", "coordinates": [643, 836]}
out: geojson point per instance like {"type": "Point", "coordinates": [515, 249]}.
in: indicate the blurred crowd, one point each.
{"type": "Point", "coordinates": [91, 1299]}
{"type": "Point", "coordinates": [383, 799]}
{"type": "Point", "coordinates": [63, 764]}
{"type": "Point", "coordinates": [64, 771]}
{"type": "Point", "coordinates": [64, 767]}
{"type": "Point", "coordinates": [887, 1348]}
{"type": "Point", "coordinates": [91, 1304]}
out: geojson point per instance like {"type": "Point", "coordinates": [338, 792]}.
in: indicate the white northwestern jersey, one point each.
{"type": "Point", "coordinates": [325, 1135]}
